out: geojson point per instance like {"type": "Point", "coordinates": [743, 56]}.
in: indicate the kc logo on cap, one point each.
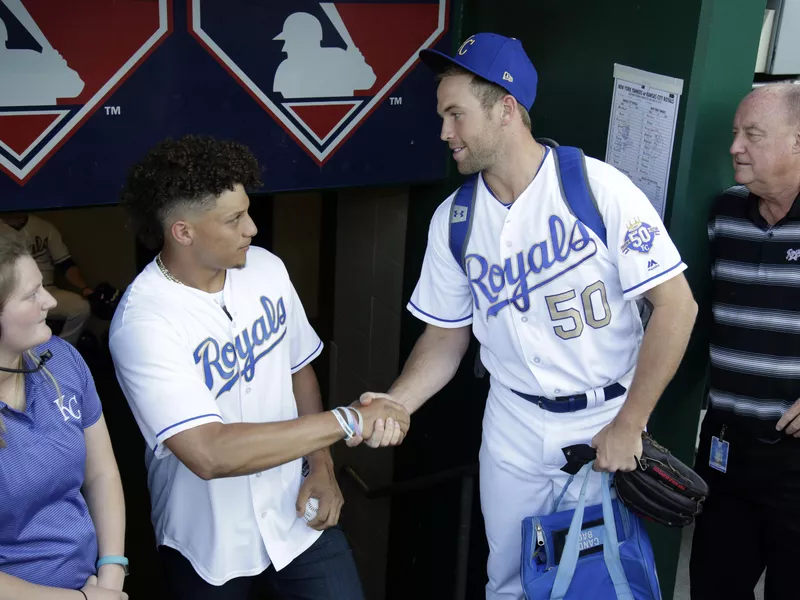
{"type": "Point", "coordinates": [494, 58]}
{"type": "Point", "coordinates": [465, 46]}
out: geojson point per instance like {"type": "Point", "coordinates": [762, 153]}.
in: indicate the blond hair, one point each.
{"type": "Point", "coordinates": [12, 248]}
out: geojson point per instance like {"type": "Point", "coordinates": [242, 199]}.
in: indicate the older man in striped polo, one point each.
{"type": "Point", "coordinates": [750, 440]}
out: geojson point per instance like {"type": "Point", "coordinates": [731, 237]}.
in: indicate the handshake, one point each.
{"type": "Point", "coordinates": [380, 420]}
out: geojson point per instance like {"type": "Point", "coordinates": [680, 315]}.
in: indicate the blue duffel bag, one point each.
{"type": "Point", "coordinates": [597, 553]}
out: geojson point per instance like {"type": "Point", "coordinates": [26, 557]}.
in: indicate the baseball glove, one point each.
{"type": "Point", "coordinates": [661, 488]}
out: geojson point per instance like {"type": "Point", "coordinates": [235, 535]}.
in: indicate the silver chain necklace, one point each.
{"type": "Point", "coordinates": [165, 272]}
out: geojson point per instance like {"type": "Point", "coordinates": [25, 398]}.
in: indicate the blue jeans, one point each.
{"type": "Point", "coordinates": [326, 571]}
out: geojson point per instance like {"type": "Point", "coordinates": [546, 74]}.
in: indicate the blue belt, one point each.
{"type": "Point", "coordinates": [564, 404]}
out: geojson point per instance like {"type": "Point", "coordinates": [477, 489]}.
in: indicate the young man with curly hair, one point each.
{"type": "Point", "coordinates": [212, 350]}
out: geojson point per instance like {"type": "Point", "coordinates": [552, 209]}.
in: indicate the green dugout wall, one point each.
{"type": "Point", "coordinates": [711, 45]}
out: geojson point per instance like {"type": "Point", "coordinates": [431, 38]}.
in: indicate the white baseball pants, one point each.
{"type": "Point", "coordinates": [520, 476]}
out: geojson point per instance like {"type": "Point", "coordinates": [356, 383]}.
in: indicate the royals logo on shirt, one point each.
{"type": "Point", "coordinates": [639, 237]}
{"type": "Point", "coordinates": [222, 360]}
{"type": "Point", "coordinates": [511, 283]}
{"type": "Point", "coordinates": [319, 68]}
{"type": "Point", "coordinates": [53, 76]}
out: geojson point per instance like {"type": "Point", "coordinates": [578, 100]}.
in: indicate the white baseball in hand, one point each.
{"type": "Point", "coordinates": [311, 510]}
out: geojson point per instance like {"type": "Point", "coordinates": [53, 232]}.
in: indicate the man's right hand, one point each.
{"type": "Point", "coordinates": [93, 592]}
{"type": "Point", "coordinates": [386, 422]}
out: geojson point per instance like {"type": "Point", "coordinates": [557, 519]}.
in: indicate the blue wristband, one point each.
{"type": "Point", "coordinates": [113, 560]}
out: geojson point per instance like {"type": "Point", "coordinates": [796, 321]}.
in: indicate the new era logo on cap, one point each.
{"type": "Point", "coordinates": [494, 58]}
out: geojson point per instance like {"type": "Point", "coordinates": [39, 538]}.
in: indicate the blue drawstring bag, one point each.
{"type": "Point", "coordinates": [600, 552]}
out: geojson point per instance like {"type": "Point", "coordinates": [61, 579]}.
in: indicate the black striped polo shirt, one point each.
{"type": "Point", "coordinates": [755, 333]}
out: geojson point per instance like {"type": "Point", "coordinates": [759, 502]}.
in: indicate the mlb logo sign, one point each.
{"type": "Point", "coordinates": [54, 76]}
{"type": "Point", "coordinates": [319, 68]}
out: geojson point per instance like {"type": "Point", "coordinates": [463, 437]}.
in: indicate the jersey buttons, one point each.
{"type": "Point", "coordinates": [524, 319]}
{"type": "Point", "coordinates": [536, 360]}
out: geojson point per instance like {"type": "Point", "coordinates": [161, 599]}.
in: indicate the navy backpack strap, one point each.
{"type": "Point", "coordinates": [574, 182]}
{"type": "Point", "coordinates": [461, 219]}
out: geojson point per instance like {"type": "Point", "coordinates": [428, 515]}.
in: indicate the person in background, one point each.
{"type": "Point", "coordinates": [749, 451]}
{"type": "Point", "coordinates": [62, 511]}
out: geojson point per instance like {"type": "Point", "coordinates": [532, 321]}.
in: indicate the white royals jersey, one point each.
{"type": "Point", "coordinates": [553, 308]}
{"type": "Point", "coordinates": [182, 362]}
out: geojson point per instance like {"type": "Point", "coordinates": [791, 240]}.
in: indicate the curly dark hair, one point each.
{"type": "Point", "coordinates": [190, 172]}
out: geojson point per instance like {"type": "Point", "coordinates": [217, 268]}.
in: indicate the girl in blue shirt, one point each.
{"type": "Point", "coordinates": [61, 502]}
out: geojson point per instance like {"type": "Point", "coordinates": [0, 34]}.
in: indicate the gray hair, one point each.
{"type": "Point", "coordinates": [789, 93]}
{"type": "Point", "coordinates": [793, 100]}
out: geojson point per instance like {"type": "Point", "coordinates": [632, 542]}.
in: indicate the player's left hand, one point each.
{"type": "Point", "coordinates": [618, 446]}
{"type": "Point", "coordinates": [321, 484]}
{"type": "Point", "coordinates": [790, 421]}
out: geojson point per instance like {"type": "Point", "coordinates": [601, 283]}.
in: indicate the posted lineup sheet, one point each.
{"type": "Point", "coordinates": [641, 131]}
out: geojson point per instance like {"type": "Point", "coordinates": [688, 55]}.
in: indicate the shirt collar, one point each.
{"type": "Point", "coordinates": [755, 216]}
{"type": "Point", "coordinates": [794, 212]}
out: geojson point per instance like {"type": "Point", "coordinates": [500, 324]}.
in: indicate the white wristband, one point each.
{"type": "Point", "coordinates": [347, 430]}
{"type": "Point", "coordinates": [358, 426]}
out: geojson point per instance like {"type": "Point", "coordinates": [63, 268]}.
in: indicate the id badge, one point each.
{"type": "Point", "coordinates": [719, 454]}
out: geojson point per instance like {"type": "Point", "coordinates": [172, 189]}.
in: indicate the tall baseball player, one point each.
{"type": "Point", "coordinates": [213, 351]}
{"type": "Point", "coordinates": [551, 302]}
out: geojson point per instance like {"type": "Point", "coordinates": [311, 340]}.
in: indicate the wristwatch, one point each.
{"type": "Point", "coordinates": [114, 560]}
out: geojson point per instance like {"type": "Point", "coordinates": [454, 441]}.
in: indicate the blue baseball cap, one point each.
{"type": "Point", "coordinates": [496, 58]}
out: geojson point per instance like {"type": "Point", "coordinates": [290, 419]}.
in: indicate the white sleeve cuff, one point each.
{"type": "Point", "coordinates": [308, 359]}
{"type": "Point", "coordinates": [638, 290]}
{"type": "Point", "coordinates": [438, 321]}
{"type": "Point", "coordinates": [161, 450]}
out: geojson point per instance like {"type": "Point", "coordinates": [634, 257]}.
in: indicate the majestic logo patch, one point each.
{"type": "Point", "coordinates": [640, 237]}
{"type": "Point", "coordinates": [53, 76]}
{"type": "Point", "coordinates": [792, 255]}
{"type": "Point", "coordinates": [319, 68]}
